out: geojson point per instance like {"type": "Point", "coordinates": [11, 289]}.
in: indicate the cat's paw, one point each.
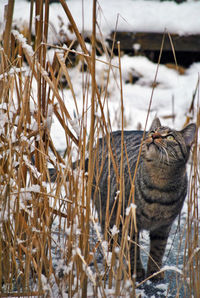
{"type": "Point", "coordinates": [140, 274]}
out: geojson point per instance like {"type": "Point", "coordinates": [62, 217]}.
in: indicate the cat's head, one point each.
{"type": "Point", "coordinates": [168, 146]}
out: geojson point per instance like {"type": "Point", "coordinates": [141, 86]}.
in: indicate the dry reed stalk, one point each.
{"type": "Point", "coordinates": [83, 46]}
{"type": "Point", "coordinates": [192, 251]}
{"type": "Point", "coordinates": [30, 22]}
{"type": "Point", "coordinates": [121, 186]}
{"type": "Point", "coordinates": [19, 222]}
{"type": "Point", "coordinates": [7, 31]}
{"type": "Point", "coordinates": [26, 235]}
{"type": "Point", "coordinates": [91, 145]}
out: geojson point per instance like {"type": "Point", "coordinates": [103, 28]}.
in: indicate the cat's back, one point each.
{"type": "Point", "coordinates": [131, 143]}
{"type": "Point", "coordinates": [108, 165]}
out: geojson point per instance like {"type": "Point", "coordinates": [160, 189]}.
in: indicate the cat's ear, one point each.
{"type": "Point", "coordinates": [188, 134]}
{"type": "Point", "coordinates": [155, 124]}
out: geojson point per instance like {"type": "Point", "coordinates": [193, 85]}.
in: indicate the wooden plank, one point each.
{"type": "Point", "coordinates": [149, 41]}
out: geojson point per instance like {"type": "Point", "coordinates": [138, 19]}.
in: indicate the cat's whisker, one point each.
{"type": "Point", "coordinates": [161, 157]}
{"type": "Point", "coordinates": [163, 153]}
{"type": "Point", "coordinates": [173, 153]}
{"type": "Point", "coordinates": [166, 153]}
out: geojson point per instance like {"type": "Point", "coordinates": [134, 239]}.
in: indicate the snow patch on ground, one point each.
{"type": "Point", "coordinates": [129, 15]}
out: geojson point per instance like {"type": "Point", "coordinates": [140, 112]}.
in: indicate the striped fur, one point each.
{"type": "Point", "coordinates": [160, 185]}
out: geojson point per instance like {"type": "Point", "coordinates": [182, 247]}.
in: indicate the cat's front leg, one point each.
{"type": "Point", "coordinates": [158, 242]}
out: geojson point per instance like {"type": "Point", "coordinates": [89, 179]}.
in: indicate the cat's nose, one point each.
{"type": "Point", "coordinates": [156, 135]}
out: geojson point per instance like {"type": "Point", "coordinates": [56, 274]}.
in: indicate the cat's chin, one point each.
{"type": "Point", "coordinates": [151, 152]}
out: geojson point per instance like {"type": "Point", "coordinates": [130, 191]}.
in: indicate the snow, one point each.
{"type": "Point", "coordinates": [131, 207]}
{"type": "Point", "coordinates": [23, 41]}
{"type": "Point", "coordinates": [114, 231]}
{"type": "Point", "coordinates": [173, 94]}
{"type": "Point", "coordinates": [173, 268]}
{"type": "Point", "coordinates": [32, 168]}
{"type": "Point", "coordinates": [128, 15]}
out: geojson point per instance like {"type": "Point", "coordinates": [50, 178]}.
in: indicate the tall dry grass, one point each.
{"type": "Point", "coordinates": [45, 237]}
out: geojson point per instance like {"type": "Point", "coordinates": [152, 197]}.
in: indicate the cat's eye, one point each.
{"type": "Point", "coordinates": [170, 138]}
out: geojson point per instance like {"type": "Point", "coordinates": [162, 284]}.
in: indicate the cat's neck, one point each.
{"type": "Point", "coordinates": [163, 176]}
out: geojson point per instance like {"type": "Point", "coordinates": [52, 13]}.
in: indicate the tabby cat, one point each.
{"type": "Point", "coordinates": [160, 184]}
